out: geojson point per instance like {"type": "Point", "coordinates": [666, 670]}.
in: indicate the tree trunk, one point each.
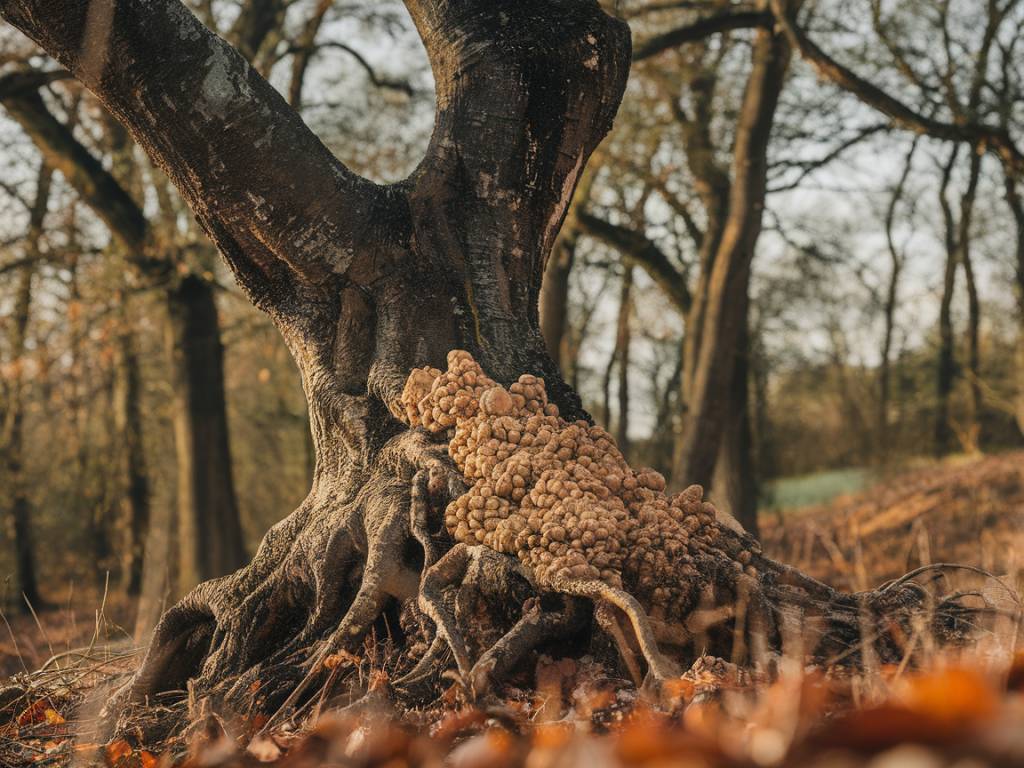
{"type": "Point", "coordinates": [896, 259]}
{"type": "Point", "coordinates": [712, 342]}
{"type": "Point", "coordinates": [972, 428]}
{"type": "Point", "coordinates": [622, 339]}
{"type": "Point", "coordinates": [554, 299]}
{"type": "Point", "coordinates": [128, 423]}
{"type": "Point", "coordinates": [19, 514]}
{"type": "Point", "coordinates": [210, 540]}
{"type": "Point", "coordinates": [946, 368]}
{"type": "Point", "coordinates": [735, 487]}
{"type": "Point", "coordinates": [1016, 203]}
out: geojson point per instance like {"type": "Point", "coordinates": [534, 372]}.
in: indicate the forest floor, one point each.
{"type": "Point", "coordinates": [966, 710]}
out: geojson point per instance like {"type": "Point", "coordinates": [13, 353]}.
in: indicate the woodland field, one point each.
{"type": "Point", "coordinates": [511, 382]}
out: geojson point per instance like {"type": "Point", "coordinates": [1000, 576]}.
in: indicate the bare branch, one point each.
{"type": "Point", "coordinates": [698, 30]}
{"type": "Point", "coordinates": [981, 136]}
{"type": "Point", "coordinates": [807, 167]}
{"type": "Point", "coordinates": [94, 184]}
{"type": "Point", "coordinates": [270, 194]}
{"type": "Point", "coordinates": [637, 248]}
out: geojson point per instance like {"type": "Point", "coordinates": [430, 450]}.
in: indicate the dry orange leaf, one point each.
{"type": "Point", "coordinates": [552, 735]}
{"type": "Point", "coordinates": [335, 660]}
{"type": "Point", "coordinates": [117, 751]}
{"type": "Point", "coordinates": [954, 695]}
{"type": "Point", "coordinates": [34, 713]}
{"type": "Point", "coordinates": [457, 722]}
{"type": "Point", "coordinates": [147, 759]}
{"type": "Point", "coordinates": [678, 690]}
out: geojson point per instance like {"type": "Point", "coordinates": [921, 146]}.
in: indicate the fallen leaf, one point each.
{"type": "Point", "coordinates": [264, 749]}
{"type": "Point", "coordinates": [117, 751]}
{"type": "Point", "coordinates": [335, 660]}
{"type": "Point", "coordinates": [34, 713]}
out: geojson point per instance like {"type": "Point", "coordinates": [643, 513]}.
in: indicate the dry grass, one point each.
{"type": "Point", "coordinates": [967, 510]}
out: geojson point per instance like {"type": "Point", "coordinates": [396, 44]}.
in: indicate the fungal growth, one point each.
{"type": "Point", "coordinates": [560, 497]}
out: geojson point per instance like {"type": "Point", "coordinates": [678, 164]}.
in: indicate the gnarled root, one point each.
{"type": "Point", "coordinates": [320, 581]}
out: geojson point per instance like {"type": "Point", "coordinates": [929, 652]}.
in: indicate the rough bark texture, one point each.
{"type": "Point", "coordinates": [368, 282]}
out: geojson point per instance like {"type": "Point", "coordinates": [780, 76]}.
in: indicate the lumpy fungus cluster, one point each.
{"type": "Point", "coordinates": [559, 495]}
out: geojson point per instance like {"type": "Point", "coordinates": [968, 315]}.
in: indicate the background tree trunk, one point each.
{"type": "Point", "coordinates": [554, 298]}
{"type": "Point", "coordinates": [1016, 204]}
{"type": "Point", "coordinates": [622, 339]}
{"type": "Point", "coordinates": [19, 514]}
{"type": "Point", "coordinates": [946, 367]}
{"type": "Point", "coordinates": [735, 486]}
{"type": "Point", "coordinates": [128, 423]}
{"type": "Point", "coordinates": [713, 340]}
{"type": "Point", "coordinates": [896, 260]}
{"type": "Point", "coordinates": [210, 541]}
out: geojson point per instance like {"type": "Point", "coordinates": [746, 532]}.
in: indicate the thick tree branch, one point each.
{"type": "Point", "coordinates": [62, 151]}
{"type": "Point", "coordinates": [979, 135]}
{"type": "Point", "coordinates": [637, 248]}
{"type": "Point", "coordinates": [698, 30]}
{"type": "Point", "coordinates": [271, 195]}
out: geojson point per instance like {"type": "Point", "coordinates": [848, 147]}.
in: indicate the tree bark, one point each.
{"type": "Point", "coordinates": [19, 514]}
{"type": "Point", "coordinates": [716, 325]}
{"type": "Point", "coordinates": [128, 423]}
{"type": "Point", "coordinates": [210, 540]}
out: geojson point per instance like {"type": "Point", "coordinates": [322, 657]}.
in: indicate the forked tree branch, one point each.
{"type": "Point", "coordinates": [274, 199]}
{"type": "Point", "coordinates": [722, 21]}
{"type": "Point", "coordinates": [526, 89]}
{"type": "Point", "coordinates": [639, 249]}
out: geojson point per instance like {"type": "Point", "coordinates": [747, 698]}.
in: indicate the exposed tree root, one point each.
{"type": "Point", "coordinates": [552, 523]}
